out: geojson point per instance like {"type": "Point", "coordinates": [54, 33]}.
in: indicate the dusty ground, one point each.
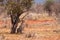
{"type": "Point", "coordinates": [45, 28]}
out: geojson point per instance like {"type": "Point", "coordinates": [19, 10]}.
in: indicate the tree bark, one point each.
{"type": "Point", "coordinates": [14, 20]}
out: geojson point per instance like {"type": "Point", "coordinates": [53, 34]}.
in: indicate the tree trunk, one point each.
{"type": "Point", "coordinates": [14, 20]}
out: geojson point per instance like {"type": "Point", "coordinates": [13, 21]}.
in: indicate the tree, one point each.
{"type": "Point", "coordinates": [48, 5]}
{"type": "Point", "coordinates": [15, 9]}
{"type": "Point", "coordinates": [57, 8]}
{"type": "Point", "coordinates": [1, 0]}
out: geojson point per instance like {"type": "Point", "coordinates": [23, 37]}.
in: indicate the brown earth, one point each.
{"type": "Point", "coordinates": [42, 29]}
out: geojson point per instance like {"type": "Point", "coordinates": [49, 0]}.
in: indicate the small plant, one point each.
{"type": "Point", "coordinates": [30, 35]}
{"type": "Point", "coordinates": [56, 31]}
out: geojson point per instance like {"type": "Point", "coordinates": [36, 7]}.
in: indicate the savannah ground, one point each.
{"type": "Point", "coordinates": [45, 28]}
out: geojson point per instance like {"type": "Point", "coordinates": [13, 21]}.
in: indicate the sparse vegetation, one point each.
{"type": "Point", "coordinates": [48, 5]}
{"type": "Point", "coordinates": [23, 21]}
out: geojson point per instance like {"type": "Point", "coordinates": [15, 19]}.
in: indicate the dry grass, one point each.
{"type": "Point", "coordinates": [45, 28]}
